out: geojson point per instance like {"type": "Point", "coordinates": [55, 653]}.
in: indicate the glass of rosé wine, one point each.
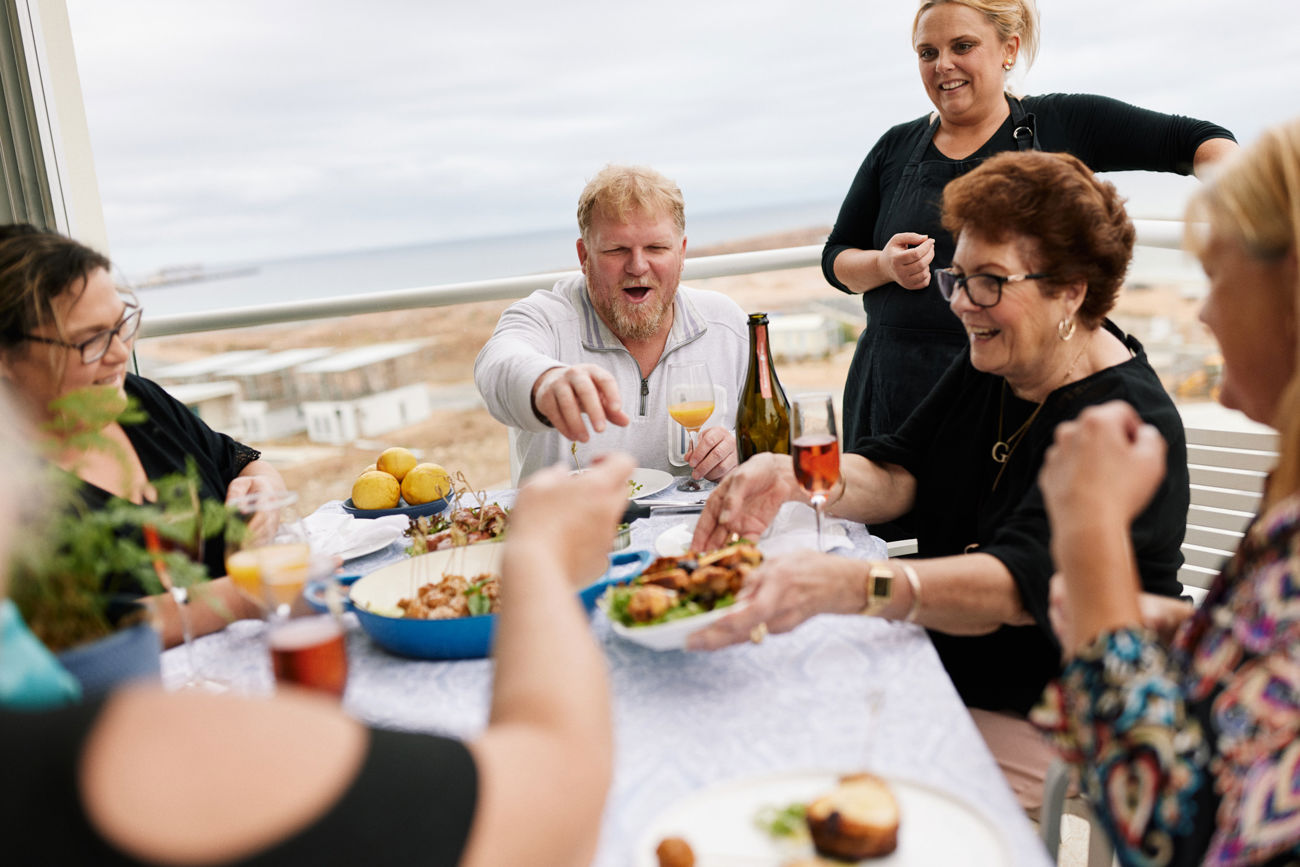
{"type": "Point", "coordinates": [816, 449]}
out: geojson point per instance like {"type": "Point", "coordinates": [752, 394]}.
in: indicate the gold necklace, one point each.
{"type": "Point", "coordinates": [1004, 449]}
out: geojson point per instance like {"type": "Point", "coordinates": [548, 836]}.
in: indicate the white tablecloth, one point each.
{"type": "Point", "coordinates": [839, 693]}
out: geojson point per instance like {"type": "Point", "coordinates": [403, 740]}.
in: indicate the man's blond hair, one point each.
{"type": "Point", "coordinates": [620, 191]}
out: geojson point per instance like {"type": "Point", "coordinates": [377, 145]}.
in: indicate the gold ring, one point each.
{"type": "Point", "coordinates": [758, 633]}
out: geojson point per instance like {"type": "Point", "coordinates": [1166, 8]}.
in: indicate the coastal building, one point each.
{"type": "Point", "coordinates": [204, 369]}
{"type": "Point", "coordinates": [217, 403]}
{"type": "Point", "coordinates": [801, 336]}
{"type": "Point", "coordinates": [271, 406]}
{"type": "Point", "coordinates": [367, 391]}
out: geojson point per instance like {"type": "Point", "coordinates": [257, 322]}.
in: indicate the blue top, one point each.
{"type": "Point", "coordinates": [30, 677]}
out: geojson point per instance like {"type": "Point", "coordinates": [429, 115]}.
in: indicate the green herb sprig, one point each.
{"type": "Point", "coordinates": [787, 821]}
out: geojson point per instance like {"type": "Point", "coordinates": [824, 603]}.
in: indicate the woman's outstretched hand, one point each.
{"type": "Point", "coordinates": [746, 501]}
{"type": "Point", "coordinates": [783, 592]}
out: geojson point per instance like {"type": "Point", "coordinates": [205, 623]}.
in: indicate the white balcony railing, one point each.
{"type": "Point", "coordinates": [1152, 233]}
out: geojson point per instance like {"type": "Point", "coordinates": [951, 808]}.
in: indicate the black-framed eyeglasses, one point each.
{"type": "Point", "coordinates": [983, 290]}
{"type": "Point", "coordinates": [96, 346]}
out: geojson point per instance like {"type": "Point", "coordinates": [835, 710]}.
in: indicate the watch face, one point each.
{"type": "Point", "coordinates": [882, 585]}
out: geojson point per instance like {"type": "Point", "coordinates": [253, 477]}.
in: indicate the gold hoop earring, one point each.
{"type": "Point", "coordinates": [1065, 328]}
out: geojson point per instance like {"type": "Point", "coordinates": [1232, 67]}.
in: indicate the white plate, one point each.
{"type": "Point", "coordinates": [651, 482]}
{"type": "Point", "coordinates": [934, 826]}
{"type": "Point", "coordinates": [370, 547]}
{"type": "Point", "coordinates": [663, 636]}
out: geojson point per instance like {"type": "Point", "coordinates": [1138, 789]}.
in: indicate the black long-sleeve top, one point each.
{"type": "Point", "coordinates": [946, 446]}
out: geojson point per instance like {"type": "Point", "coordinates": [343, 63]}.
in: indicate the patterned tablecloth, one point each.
{"type": "Point", "coordinates": [838, 693]}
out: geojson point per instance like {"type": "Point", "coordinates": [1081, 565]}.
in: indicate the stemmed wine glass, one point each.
{"type": "Point", "coordinates": [183, 533]}
{"type": "Point", "coordinates": [271, 558]}
{"type": "Point", "coordinates": [816, 449]}
{"type": "Point", "coordinates": [690, 403]}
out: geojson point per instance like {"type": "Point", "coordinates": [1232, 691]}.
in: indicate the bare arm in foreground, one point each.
{"type": "Point", "coordinates": [550, 720]}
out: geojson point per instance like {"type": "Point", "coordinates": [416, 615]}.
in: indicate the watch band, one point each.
{"type": "Point", "coordinates": [879, 585]}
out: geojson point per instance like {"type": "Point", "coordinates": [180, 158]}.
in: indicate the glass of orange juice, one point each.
{"type": "Point", "coordinates": [690, 403]}
{"type": "Point", "coordinates": [267, 555]}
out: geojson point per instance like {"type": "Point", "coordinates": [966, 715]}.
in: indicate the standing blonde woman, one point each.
{"type": "Point", "coordinates": [1191, 751]}
{"type": "Point", "coordinates": [888, 240]}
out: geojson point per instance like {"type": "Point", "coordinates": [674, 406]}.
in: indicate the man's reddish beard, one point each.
{"type": "Point", "coordinates": [628, 321]}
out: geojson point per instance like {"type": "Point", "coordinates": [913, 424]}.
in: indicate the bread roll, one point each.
{"type": "Point", "coordinates": [858, 819]}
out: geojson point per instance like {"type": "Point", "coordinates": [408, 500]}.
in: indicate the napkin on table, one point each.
{"type": "Point", "coordinates": [795, 529]}
{"type": "Point", "coordinates": [338, 534]}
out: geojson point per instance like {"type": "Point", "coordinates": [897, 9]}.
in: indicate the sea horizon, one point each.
{"type": "Point", "coordinates": [406, 266]}
{"type": "Point", "coordinates": [207, 287]}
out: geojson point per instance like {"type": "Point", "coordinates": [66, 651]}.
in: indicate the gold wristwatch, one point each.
{"type": "Point", "coordinates": [880, 588]}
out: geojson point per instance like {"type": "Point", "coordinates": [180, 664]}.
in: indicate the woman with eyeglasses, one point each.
{"type": "Point", "coordinates": [1042, 248]}
{"type": "Point", "coordinates": [65, 326]}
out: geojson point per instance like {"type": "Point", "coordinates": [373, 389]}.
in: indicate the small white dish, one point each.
{"type": "Point", "coordinates": [676, 540]}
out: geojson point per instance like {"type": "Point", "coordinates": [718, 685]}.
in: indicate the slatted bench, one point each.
{"type": "Point", "coordinates": [1227, 470]}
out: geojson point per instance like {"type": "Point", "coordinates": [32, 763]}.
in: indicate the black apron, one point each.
{"type": "Point", "coordinates": [911, 335]}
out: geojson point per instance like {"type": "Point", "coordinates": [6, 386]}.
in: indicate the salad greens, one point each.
{"type": "Point", "coordinates": [477, 599]}
{"type": "Point", "coordinates": [787, 821]}
{"type": "Point", "coordinates": [621, 595]}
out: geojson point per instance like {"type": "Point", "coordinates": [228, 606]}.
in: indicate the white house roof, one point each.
{"type": "Point", "coordinates": [208, 364]}
{"type": "Point", "coordinates": [197, 392]}
{"type": "Point", "coordinates": [274, 361]}
{"type": "Point", "coordinates": [362, 356]}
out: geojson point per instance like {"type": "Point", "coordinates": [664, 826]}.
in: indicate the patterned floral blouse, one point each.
{"type": "Point", "coordinates": [1190, 753]}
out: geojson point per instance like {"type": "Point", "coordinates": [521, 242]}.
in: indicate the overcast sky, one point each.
{"type": "Point", "coordinates": [252, 129]}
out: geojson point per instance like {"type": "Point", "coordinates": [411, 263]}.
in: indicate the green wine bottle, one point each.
{"type": "Point", "coordinates": [762, 412]}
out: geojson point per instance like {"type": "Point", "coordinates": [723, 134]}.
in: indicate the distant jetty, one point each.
{"type": "Point", "coordinates": [173, 275]}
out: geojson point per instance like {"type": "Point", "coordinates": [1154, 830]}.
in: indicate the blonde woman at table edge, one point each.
{"type": "Point", "coordinates": [189, 778]}
{"type": "Point", "coordinates": [66, 326]}
{"type": "Point", "coordinates": [1202, 765]}
{"type": "Point", "coordinates": [1042, 248]}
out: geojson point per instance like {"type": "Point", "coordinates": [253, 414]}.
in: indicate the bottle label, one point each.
{"type": "Point", "coordinates": [764, 376]}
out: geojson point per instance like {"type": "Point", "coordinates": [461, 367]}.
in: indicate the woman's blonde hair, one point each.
{"type": "Point", "coordinates": [1008, 17]}
{"type": "Point", "coordinates": [1254, 198]}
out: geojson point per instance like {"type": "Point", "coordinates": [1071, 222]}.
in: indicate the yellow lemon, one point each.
{"type": "Point", "coordinates": [369, 469]}
{"type": "Point", "coordinates": [376, 490]}
{"type": "Point", "coordinates": [397, 462]}
{"type": "Point", "coordinates": [425, 483]}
